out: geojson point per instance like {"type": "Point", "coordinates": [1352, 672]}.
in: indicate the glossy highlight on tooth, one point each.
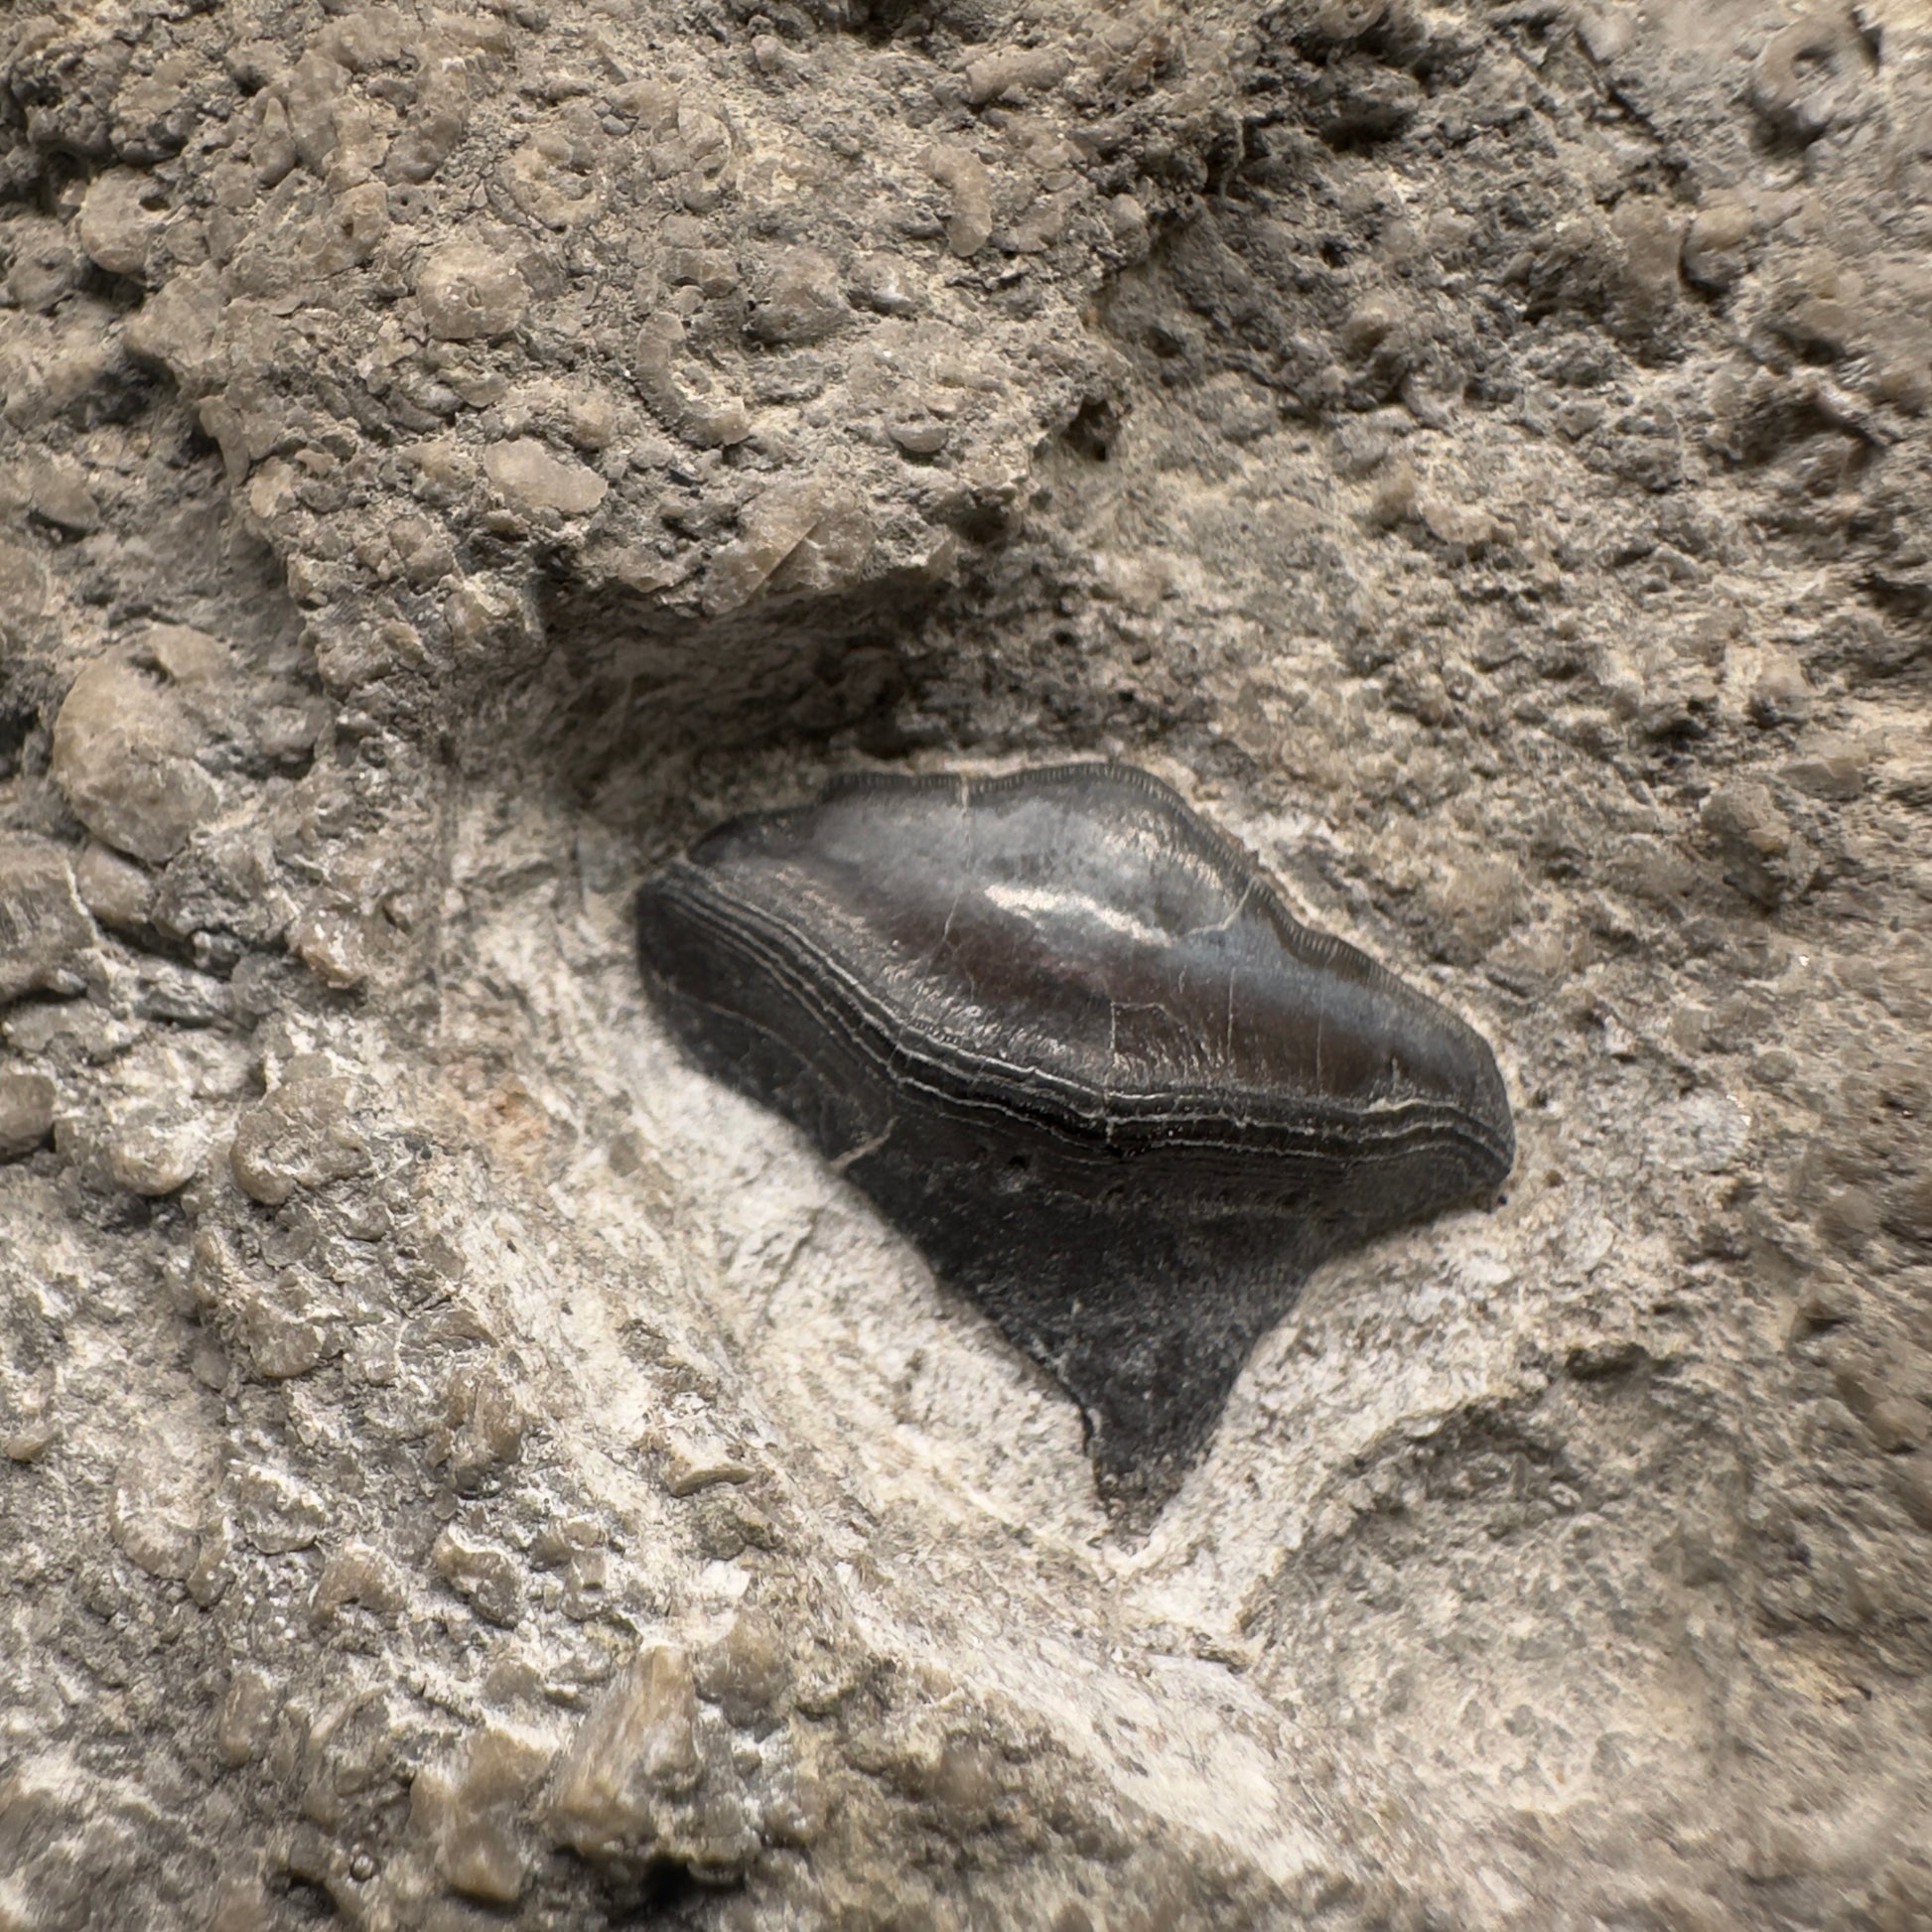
{"type": "Point", "coordinates": [1072, 1041]}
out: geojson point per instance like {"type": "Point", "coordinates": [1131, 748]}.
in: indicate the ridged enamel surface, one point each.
{"type": "Point", "coordinates": [1072, 1040]}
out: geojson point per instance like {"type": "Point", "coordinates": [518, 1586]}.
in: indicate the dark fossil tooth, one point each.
{"type": "Point", "coordinates": [1073, 1043]}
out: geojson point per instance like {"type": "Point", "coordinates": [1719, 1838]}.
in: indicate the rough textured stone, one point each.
{"type": "Point", "coordinates": [638, 1748]}
{"type": "Point", "coordinates": [157, 1145]}
{"type": "Point", "coordinates": [304, 1135]}
{"type": "Point", "coordinates": [44, 927]}
{"type": "Point", "coordinates": [1478, 454]}
{"type": "Point", "coordinates": [530, 477]}
{"type": "Point", "coordinates": [26, 1112]}
{"type": "Point", "coordinates": [124, 756]}
{"type": "Point", "coordinates": [467, 291]}
{"type": "Point", "coordinates": [121, 218]}
{"type": "Point", "coordinates": [116, 891]}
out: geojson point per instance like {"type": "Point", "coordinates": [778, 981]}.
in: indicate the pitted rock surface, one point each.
{"type": "Point", "coordinates": [460, 1466]}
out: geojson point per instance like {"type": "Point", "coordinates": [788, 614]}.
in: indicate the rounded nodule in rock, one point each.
{"type": "Point", "coordinates": [26, 1112]}
{"type": "Point", "coordinates": [302, 1134]}
{"type": "Point", "coordinates": [44, 927]}
{"type": "Point", "coordinates": [120, 218]}
{"type": "Point", "coordinates": [468, 292]}
{"type": "Point", "coordinates": [1074, 1044]}
{"type": "Point", "coordinates": [800, 300]}
{"type": "Point", "coordinates": [123, 756]}
{"type": "Point", "coordinates": [533, 478]}
{"type": "Point", "coordinates": [156, 1147]}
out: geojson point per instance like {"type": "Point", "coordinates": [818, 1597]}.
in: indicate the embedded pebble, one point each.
{"type": "Point", "coordinates": [34, 1426]}
{"type": "Point", "coordinates": [1451, 521]}
{"type": "Point", "coordinates": [25, 1112]}
{"type": "Point", "coordinates": [58, 366]}
{"type": "Point", "coordinates": [469, 292]}
{"type": "Point", "coordinates": [155, 111]}
{"type": "Point", "coordinates": [1816, 73]}
{"type": "Point", "coordinates": [123, 214]}
{"type": "Point", "coordinates": [1849, 1217]}
{"type": "Point", "coordinates": [531, 476]}
{"type": "Point", "coordinates": [274, 1510]}
{"type": "Point", "coordinates": [1908, 1210]}
{"type": "Point", "coordinates": [1395, 497]}
{"type": "Point", "coordinates": [441, 110]}
{"type": "Point", "coordinates": [242, 1724]}
{"type": "Point", "coordinates": [472, 1808]}
{"type": "Point", "coordinates": [274, 1316]}
{"type": "Point", "coordinates": [1013, 72]}
{"type": "Point", "coordinates": [920, 438]}
{"type": "Point", "coordinates": [1780, 693]}
{"type": "Point", "coordinates": [1830, 768]}
{"type": "Point", "coordinates": [1910, 1480]}
{"type": "Point", "coordinates": [124, 755]}
{"type": "Point", "coordinates": [45, 265]}
{"type": "Point", "coordinates": [186, 654]}
{"type": "Point", "coordinates": [636, 1747]}
{"type": "Point", "coordinates": [1716, 242]}
{"type": "Point", "coordinates": [284, 1342]}
{"type": "Point", "coordinates": [1472, 907]}
{"type": "Point", "coordinates": [181, 328]}
{"type": "Point", "coordinates": [44, 927]}
{"type": "Point", "coordinates": [697, 1461]}
{"type": "Point", "coordinates": [800, 300]}
{"type": "Point", "coordinates": [489, 1580]}
{"type": "Point", "coordinates": [1607, 33]}
{"type": "Point", "coordinates": [334, 942]}
{"type": "Point", "coordinates": [157, 1147]}
{"type": "Point", "coordinates": [969, 223]}
{"type": "Point", "coordinates": [57, 490]}
{"type": "Point", "coordinates": [1650, 232]}
{"type": "Point", "coordinates": [744, 1673]}
{"type": "Point", "coordinates": [1895, 1422]}
{"type": "Point", "coordinates": [812, 535]}
{"type": "Point", "coordinates": [310, 94]}
{"type": "Point", "coordinates": [304, 1135]}
{"type": "Point", "coordinates": [158, 1512]}
{"type": "Point", "coordinates": [359, 1574]}
{"type": "Point", "coordinates": [1757, 842]}
{"type": "Point", "coordinates": [886, 283]}
{"type": "Point", "coordinates": [482, 1429]}
{"type": "Point", "coordinates": [351, 231]}
{"type": "Point", "coordinates": [772, 526]}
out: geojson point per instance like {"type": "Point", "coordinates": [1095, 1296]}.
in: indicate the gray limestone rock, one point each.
{"type": "Point", "coordinates": [26, 1112]}
{"type": "Point", "coordinates": [44, 927]}
{"type": "Point", "coordinates": [123, 757]}
{"type": "Point", "coordinates": [464, 1465]}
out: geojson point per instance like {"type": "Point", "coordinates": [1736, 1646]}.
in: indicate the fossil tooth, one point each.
{"type": "Point", "coordinates": [1073, 1043]}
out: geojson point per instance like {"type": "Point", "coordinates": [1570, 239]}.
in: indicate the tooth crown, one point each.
{"type": "Point", "coordinates": [1073, 1041]}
